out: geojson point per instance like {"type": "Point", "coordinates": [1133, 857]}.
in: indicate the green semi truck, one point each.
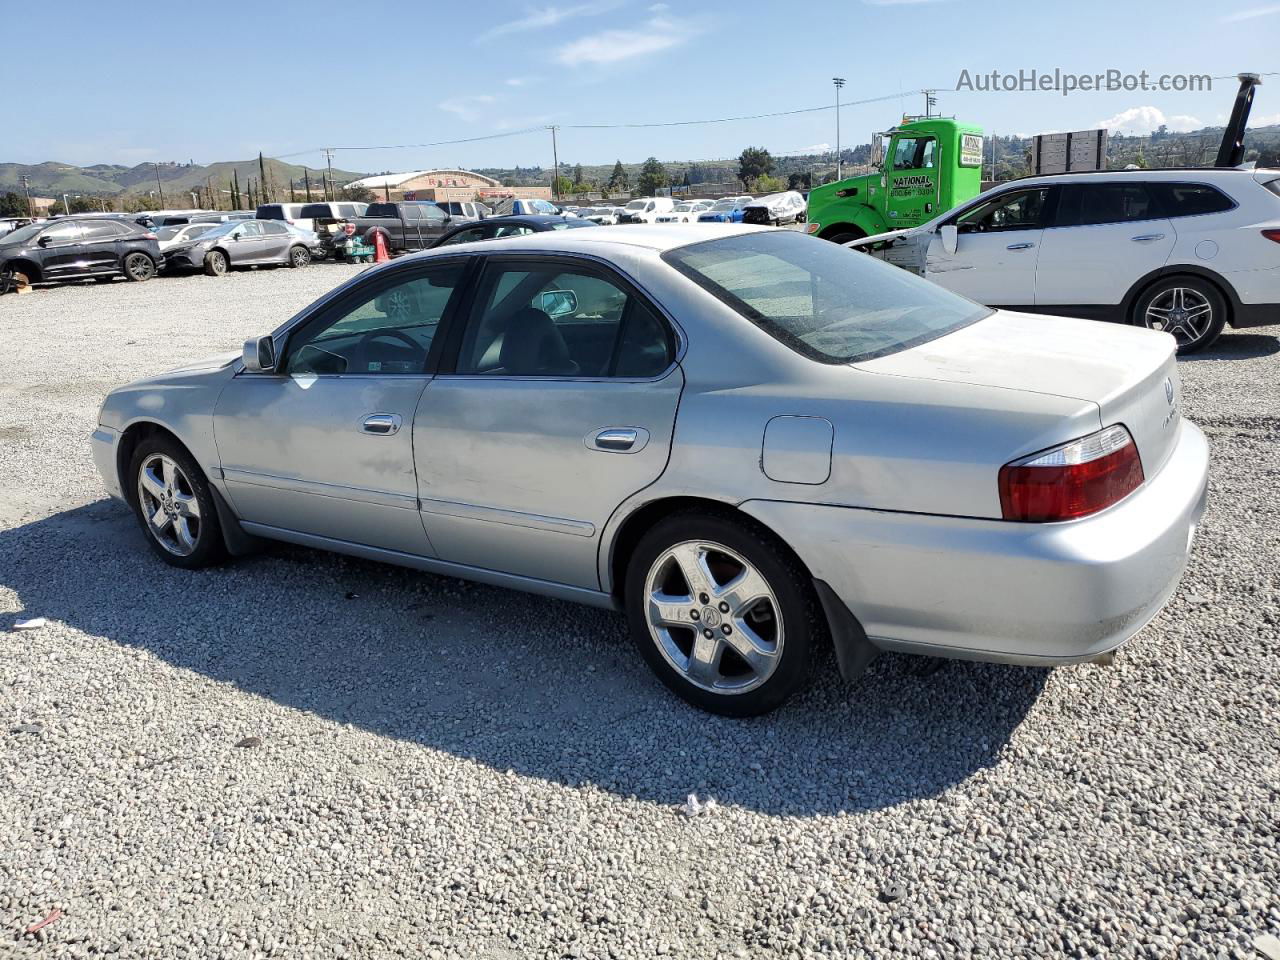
{"type": "Point", "coordinates": [931, 165]}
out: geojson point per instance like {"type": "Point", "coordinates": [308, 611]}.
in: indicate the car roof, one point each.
{"type": "Point", "coordinates": [1161, 173]}
{"type": "Point", "coordinates": [656, 237]}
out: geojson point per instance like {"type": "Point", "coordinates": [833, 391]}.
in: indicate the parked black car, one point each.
{"type": "Point", "coordinates": [491, 228]}
{"type": "Point", "coordinates": [70, 248]}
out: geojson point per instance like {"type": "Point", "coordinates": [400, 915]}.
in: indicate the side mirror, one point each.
{"type": "Point", "coordinates": [44, 241]}
{"type": "Point", "coordinates": [950, 234]}
{"type": "Point", "coordinates": [558, 303]}
{"type": "Point", "coordinates": [259, 355]}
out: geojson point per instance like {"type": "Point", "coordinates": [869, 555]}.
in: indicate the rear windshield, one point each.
{"type": "Point", "coordinates": [311, 211]}
{"type": "Point", "coordinates": [821, 299]}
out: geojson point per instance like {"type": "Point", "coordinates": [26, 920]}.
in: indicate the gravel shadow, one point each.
{"type": "Point", "coordinates": [1236, 346]}
{"type": "Point", "coordinates": [540, 687]}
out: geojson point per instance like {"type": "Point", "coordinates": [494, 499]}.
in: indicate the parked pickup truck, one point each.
{"type": "Point", "coordinates": [404, 225]}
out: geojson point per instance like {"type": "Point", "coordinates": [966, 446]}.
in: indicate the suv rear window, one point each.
{"type": "Point", "coordinates": [270, 211]}
{"type": "Point", "coordinates": [312, 210]}
{"type": "Point", "coordinates": [823, 300]}
{"type": "Point", "coordinates": [1084, 204]}
{"type": "Point", "coordinates": [1189, 199]}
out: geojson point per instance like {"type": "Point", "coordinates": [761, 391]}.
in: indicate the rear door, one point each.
{"type": "Point", "coordinates": [276, 240]}
{"type": "Point", "coordinates": [997, 246]}
{"type": "Point", "coordinates": [102, 239]}
{"type": "Point", "coordinates": [559, 404]}
{"type": "Point", "coordinates": [1104, 237]}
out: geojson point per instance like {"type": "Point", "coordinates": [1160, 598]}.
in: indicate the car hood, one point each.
{"type": "Point", "coordinates": [215, 362]}
{"type": "Point", "coordinates": [883, 237]}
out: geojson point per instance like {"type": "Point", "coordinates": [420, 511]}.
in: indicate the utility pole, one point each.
{"type": "Point", "coordinates": [839, 82]}
{"type": "Point", "coordinates": [158, 187]}
{"type": "Point", "coordinates": [26, 188]}
{"type": "Point", "coordinates": [328, 180]}
{"type": "Point", "coordinates": [555, 165]}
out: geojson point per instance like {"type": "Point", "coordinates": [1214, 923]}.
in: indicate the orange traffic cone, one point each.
{"type": "Point", "coordinates": [380, 254]}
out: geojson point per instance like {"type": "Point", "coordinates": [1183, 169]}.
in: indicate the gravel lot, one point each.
{"type": "Point", "coordinates": [301, 755]}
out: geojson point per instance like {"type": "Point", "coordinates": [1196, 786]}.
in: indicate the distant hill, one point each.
{"type": "Point", "coordinates": [104, 179]}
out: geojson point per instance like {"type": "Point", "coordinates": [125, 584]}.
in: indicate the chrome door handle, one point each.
{"type": "Point", "coordinates": [1020, 246]}
{"type": "Point", "coordinates": [618, 439]}
{"type": "Point", "coordinates": [1147, 237]}
{"type": "Point", "coordinates": [381, 424]}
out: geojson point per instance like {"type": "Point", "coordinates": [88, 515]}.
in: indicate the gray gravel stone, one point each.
{"type": "Point", "coordinates": [441, 778]}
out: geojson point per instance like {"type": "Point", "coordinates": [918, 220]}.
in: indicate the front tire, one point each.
{"type": "Point", "coordinates": [845, 236]}
{"type": "Point", "coordinates": [215, 263]}
{"type": "Point", "coordinates": [174, 505]}
{"type": "Point", "coordinates": [722, 612]}
{"type": "Point", "coordinates": [299, 257]}
{"type": "Point", "coordinates": [138, 267]}
{"type": "Point", "coordinates": [1191, 309]}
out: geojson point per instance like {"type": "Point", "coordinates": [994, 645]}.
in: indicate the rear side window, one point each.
{"type": "Point", "coordinates": [102, 230]}
{"type": "Point", "coordinates": [273, 228]}
{"type": "Point", "coordinates": [823, 300]}
{"type": "Point", "coordinates": [1087, 204]}
{"type": "Point", "coordinates": [1189, 199]}
{"type": "Point", "coordinates": [381, 210]}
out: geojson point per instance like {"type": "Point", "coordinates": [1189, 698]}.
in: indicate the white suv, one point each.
{"type": "Point", "coordinates": [1182, 250]}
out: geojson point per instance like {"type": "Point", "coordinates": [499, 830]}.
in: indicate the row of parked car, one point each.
{"type": "Point", "coordinates": [777, 209]}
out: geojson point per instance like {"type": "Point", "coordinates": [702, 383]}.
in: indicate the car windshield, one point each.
{"type": "Point", "coordinates": [636, 205]}
{"type": "Point", "coordinates": [723, 205]}
{"type": "Point", "coordinates": [572, 224]}
{"type": "Point", "coordinates": [22, 234]}
{"type": "Point", "coordinates": [167, 233]}
{"type": "Point", "coordinates": [822, 300]}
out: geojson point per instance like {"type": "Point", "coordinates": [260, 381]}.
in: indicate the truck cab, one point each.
{"type": "Point", "coordinates": [931, 165]}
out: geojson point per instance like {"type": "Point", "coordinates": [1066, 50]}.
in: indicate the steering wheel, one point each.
{"type": "Point", "coordinates": [400, 335]}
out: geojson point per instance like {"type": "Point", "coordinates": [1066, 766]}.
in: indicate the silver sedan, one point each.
{"type": "Point", "coordinates": [751, 441]}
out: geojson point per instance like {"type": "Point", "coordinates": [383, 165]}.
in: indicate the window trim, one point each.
{"type": "Point", "coordinates": [344, 299]}
{"type": "Point", "coordinates": [1234, 204]}
{"type": "Point", "coordinates": [467, 312]}
{"type": "Point", "coordinates": [1048, 214]}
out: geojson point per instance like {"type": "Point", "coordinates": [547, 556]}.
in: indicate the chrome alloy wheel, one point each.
{"type": "Point", "coordinates": [714, 617]}
{"type": "Point", "coordinates": [169, 505]}
{"type": "Point", "coordinates": [1181, 311]}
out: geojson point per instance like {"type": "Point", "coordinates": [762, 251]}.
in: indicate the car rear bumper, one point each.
{"type": "Point", "coordinates": [103, 443]}
{"type": "Point", "coordinates": [1025, 593]}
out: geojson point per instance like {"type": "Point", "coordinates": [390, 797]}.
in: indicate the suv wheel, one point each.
{"type": "Point", "coordinates": [722, 612]}
{"type": "Point", "coordinates": [1191, 309]}
{"type": "Point", "coordinates": [139, 267]}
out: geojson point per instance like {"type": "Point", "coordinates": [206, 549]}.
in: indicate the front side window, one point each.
{"type": "Point", "coordinates": [63, 233]}
{"type": "Point", "coordinates": [1088, 204]}
{"type": "Point", "coordinates": [512, 230]}
{"type": "Point", "coordinates": [465, 236]}
{"type": "Point", "coordinates": [913, 153]}
{"type": "Point", "coordinates": [250, 229]}
{"type": "Point", "coordinates": [388, 333]}
{"type": "Point", "coordinates": [823, 300]}
{"type": "Point", "coordinates": [1017, 210]}
{"type": "Point", "coordinates": [535, 320]}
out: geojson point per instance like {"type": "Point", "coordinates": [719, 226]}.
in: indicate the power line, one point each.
{"type": "Point", "coordinates": [753, 116]}
{"type": "Point", "coordinates": [413, 146]}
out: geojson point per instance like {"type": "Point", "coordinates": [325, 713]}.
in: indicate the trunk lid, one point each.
{"type": "Point", "coordinates": [1130, 373]}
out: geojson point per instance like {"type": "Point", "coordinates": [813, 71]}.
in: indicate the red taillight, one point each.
{"type": "Point", "coordinates": [287, 220]}
{"type": "Point", "coordinates": [1272, 235]}
{"type": "Point", "coordinates": [1073, 480]}
{"type": "Point", "coordinates": [149, 236]}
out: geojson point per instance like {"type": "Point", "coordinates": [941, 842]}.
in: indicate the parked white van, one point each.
{"type": "Point", "coordinates": [646, 209]}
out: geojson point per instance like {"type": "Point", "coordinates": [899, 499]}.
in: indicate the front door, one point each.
{"type": "Point", "coordinates": [912, 181]}
{"type": "Point", "coordinates": [63, 250]}
{"type": "Point", "coordinates": [997, 246]}
{"type": "Point", "coordinates": [559, 405]}
{"type": "Point", "coordinates": [325, 446]}
{"type": "Point", "coordinates": [245, 244]}
{"type": "Point", "coordinates": [1104, 237]}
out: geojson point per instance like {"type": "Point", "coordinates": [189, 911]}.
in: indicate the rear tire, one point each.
{"type": "Point", "coordinates": [740, 641]}
{"type": "Point", "coordinates": [174, 505]}
{"type": "Point", "coordinates": [1193, 310]}
{"type": "Point", "coordinates": [138, 267]}
{"type": "Point", "coordinates": [215, 263]}
{"type": "Point", "coordinates": [299, 256]}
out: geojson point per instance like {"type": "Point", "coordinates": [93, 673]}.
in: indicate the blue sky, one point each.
{"type": "Point", "coordinates": [424, 72]}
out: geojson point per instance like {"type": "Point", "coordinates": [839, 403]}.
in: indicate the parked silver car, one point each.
{"type": "Point", "coordinates": [243, 243]}
{"type": "Point", "coordinates": [748, 439]}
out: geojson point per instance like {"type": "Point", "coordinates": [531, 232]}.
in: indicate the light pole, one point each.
{"type": "Point", "coordinates": [66, 207]}
{"type": "Point", "coordinates": [839, 82]}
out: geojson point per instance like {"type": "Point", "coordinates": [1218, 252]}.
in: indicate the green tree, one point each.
{"type": "Point", "coordinates": [563, 185]}
{"type": "Point", "coordinates": [13, 205]}
{"type": "Point", "coordinates": [754, 163]}
{"type": "Point", "coordinates": [578, 183]}
{"type": "Point", "coordinates": [769, 184]}
{"type": "Point", "coordinates": [653, 177]}
{"type": "Point", "coordinates": [357, 194]}
{"type": "Point", "coordinates": [618, 179]}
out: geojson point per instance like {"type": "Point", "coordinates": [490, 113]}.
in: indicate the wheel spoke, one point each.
{"type": "Point", "coordinates": [1161, 312]}
{"type": "Point", "coordinates": [1198, 311]}
{"type": "Point", "coordinates": [151, 483]}
{"type": "Point", "coordinates": [668, 611]}
{"type": "Point", "coordinates": [166, 470]}
{"type": "Point", "coordinates": [159, 519]}
{"type": "Point", "coordinates": [692, 560]}
{"type": "Point", "coordinates": [182, 529]}
{"type": "Point", "coordinates": [704, 659]}
{"type": "Point", "coordinates": [751, 648]}
{"type": "Point", "coordinates": [188, 506]}
{"type": "Point", "coordinates": [743, 591]}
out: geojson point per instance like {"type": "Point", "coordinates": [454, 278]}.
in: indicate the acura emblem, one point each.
{"type": "Point", "coordinates": [1168, 390]}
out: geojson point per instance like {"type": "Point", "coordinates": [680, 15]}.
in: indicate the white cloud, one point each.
{"type": "Point", "coordinates": [1265, 121]}
{"type": "Point", "coordinates": [1145, 119]}
{"type": "Point", "coordinates": [613, 46]}
{"type": "Point", "coordinates": [1251, 14]}
{"type": "Point", "coordinates": [811, 148]}
{"type": "Point", "coordinates": [896, 3]}
{"type": "Point", "coordinates": [541, 18]}
{"type": "Point", "coordinates": [521, 81]}
{"type": "Point", "coordinates": [659, 8]}
{"type": "Point", "coordinates": [466, 107]}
